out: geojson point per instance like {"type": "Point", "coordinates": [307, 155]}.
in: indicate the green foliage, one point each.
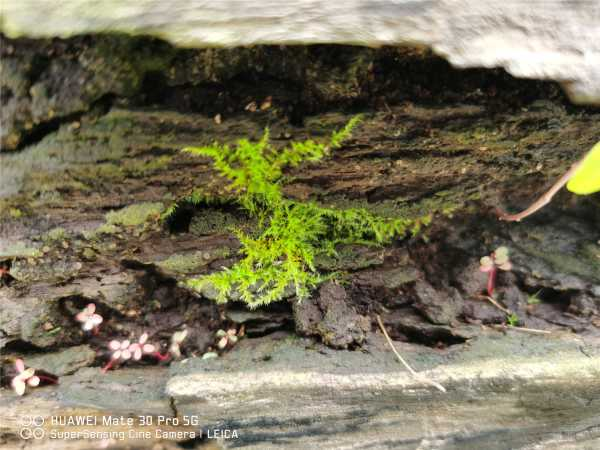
{"type": "Point", "coordinates": [338, 137]}
{"type": "Point", "coordinates": [512, 320]}
{"type": "Point", "coordinates": [585, 180]}
{"type": "Point", "coordinates": [280, 255]}
{"type": "Point", "coordinates": [534, 299]}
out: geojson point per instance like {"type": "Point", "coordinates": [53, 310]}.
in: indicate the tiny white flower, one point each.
{"type": "Point", "coordinates": [89, 318]}
{"type": "Point", "coordinates": [222, 343]}
{"type": "Point", "coordinates": [23, 378]}
{"type": "Point", "coordinates": [120, 349]}
{"type": "Point", "coordinates": [140, 348]}
{"type": "Point", "coordinates": [176, 340]}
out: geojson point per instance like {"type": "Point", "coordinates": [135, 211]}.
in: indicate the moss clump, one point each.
{"type": "Point", "coordinates": [56, 235]}
{"type": "Point", "coordinates": [134, 215]}
{"type": "Point", "coordinates": [15, 213]}
{"type": "Point", "coordinates": [104, 229]}
{"type": "Point", "coordinates": [186, 263]}
{"type": "Point", "coordinates": [212, 220]}
{"type": "Point", "coordinates": [290, 235]}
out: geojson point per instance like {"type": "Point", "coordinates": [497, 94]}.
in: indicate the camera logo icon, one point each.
{"type": "Point", "coordinates": [32, 421]}
{"type": "Point", "coordinates": [32, 427]}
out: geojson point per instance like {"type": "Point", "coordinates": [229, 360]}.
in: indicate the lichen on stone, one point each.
{"type": "Point", "coordinates": [18, 249]}
{"type": "Point", "coordinates": [134, 215]}
{"type": "Point", "coordinates": [188, 263]}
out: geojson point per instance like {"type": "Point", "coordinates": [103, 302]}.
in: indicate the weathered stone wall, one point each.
{"type": "Point", "coordinates": [46, 83]}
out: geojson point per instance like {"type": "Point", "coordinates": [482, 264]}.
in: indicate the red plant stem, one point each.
{"type": "Point", "coordinates": [491, 282]}
{"type": "Point", "coordinates": [546, 198]}
{"type": "Point", "coordinates": [108, 365]}
{"type": "Point", "coordinates": [51, 380]}
{"type": "Point", "coordinates": [160, 357]}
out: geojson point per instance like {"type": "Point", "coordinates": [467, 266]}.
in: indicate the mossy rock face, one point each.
{"type": "Point", "coordinates": [351, 257]}
{"type": "Point", "coordinates": [47, 90]}
{"type": "Point", "coordinates": [18, 249]}
{"type": "Point", "coordinates": [57, 234]}
{"type": "Point", "coordinates": [51, 82]}
{"type": "Point", "coordinates": [212, 220]}
{"type": "Point", "coordinates": [454, 153]}
{"type": "Point", "coordinates": [189, 263]}
{"type": "Point", "coordinates": [135, 215]}
{"type": "Point", "coordinates": [48, 268]}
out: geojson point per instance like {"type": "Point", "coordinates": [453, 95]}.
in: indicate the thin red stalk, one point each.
{"type": "Point", "coordinates": [544, 199]}
{"type": "Point", "coordinates": [108, 365]}
{"type": "Point", "coordinates": [491, 282]}
{"type": "Point", "coordinates": [160, 357]}
{"type": "Point", "coordinates": [51, 380]}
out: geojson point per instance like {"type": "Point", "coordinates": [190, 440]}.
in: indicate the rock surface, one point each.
{"type": "Point", "coordinates": [80, 201]}
{"type": "Point", "coordinates": [329, 316]}
{"type": "Point", "coordinates": [511, 390]}
{"type": "Point", "coordinates": [559, 41]}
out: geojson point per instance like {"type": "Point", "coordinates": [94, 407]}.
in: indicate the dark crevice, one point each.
{"type": "Point", "coordinates": [43, 129]}
{"type": "Point", "coordinates": [21, 346]}
{"type": "Point", "coordinates": [173, 407]}
{"type": "Point", "coordinates": [430, 337]}
{"type": "Point", "coordinates": [180, 220]}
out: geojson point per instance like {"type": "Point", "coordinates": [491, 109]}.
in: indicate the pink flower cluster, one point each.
{"type": "Point", "coordinates": [126, 350]}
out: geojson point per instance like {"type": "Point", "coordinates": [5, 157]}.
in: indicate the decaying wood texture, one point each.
{"type": "Point", "coordinates": [552, 39]}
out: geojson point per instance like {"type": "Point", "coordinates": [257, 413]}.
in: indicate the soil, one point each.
{"type": "Point", "coordinates": [83, 189]}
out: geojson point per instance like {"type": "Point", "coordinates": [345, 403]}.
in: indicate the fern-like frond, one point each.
{"type": "Point", "coordinates": [338, 137]}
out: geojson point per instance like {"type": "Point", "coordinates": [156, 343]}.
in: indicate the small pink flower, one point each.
{"type": "Point", "coordinates": [89, 318]}
{"type": "Point", "coordinates": [140, 348]}
{"type": "Point", "coordinates": [228, 337]}
{"type": "Point", "coordinates": [176, 340]}
{"type": "Point", "coordinates": [498, 259]}
{"type": "Point", "coordinates": [23, 378]}
{"type": "Point", "coordinates": [121, 349]}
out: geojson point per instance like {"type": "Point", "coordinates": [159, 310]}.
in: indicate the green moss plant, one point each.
{"type": "Point", "coordinates": [279, 255]}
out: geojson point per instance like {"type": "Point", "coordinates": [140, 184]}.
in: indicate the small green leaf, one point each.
{"type": "Point", "coordinates": [586, 179]}
{"type": "Point", "coordinates": [512, 320]}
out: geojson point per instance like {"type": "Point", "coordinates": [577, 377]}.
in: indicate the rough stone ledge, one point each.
{"type": "Point", "coordinates": [320, 371]}
{"type": "Point", "coordinates": [511, 390]}
{"type": "Point", "coordinates": [548, 40]}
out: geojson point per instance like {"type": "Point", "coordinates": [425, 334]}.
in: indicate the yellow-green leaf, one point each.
{"type": "Point", "coordinates": [586, 179]}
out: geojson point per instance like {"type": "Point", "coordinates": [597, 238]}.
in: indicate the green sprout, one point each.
{"type": "Point", "coordinates": [534, 299]}
{"type": "Point", "coordinates": [512, 320]}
